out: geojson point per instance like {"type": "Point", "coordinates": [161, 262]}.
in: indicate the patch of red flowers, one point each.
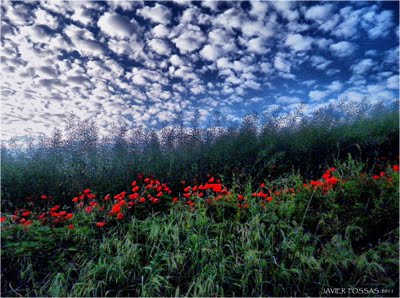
{"type": "Point", "coordinates": [148, 191]}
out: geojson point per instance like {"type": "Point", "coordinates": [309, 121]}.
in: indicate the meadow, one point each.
{"type": "Point", "coordinates": [271, 206]}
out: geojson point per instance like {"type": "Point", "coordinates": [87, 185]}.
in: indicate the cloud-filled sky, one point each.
{"type": "Point", "coordinates": [143, 62]}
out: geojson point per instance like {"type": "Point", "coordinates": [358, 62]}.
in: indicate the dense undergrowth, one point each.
{"type": "Point", "coordinates": [261, 146]}
{"type": "Point", "coordinates": [74, 222]}
{"type": "Point", "coordinates": [285, 237]}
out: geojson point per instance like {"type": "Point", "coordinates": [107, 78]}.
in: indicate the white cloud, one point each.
{"type": "Point", "coordinates": [82, 16]}
{"type": "Point", "coordinates": [286, 8]}
{"type": "Point", "coordinates": [123, 4]}
{"type": "Point", "coordinates": [160, 46]}
{"type": "Point", "coordinates": [210, 52]}
{"type": "Point", "coordinates": [230, 18]}
{"type": "Point", "coordinates": [393, 82]}
{"type": "Point", "coordinates": [287, 100]}
{"type": "Point", "coordinates": [319, 62]}
{"type": "Point", "coordinates": [348, 27]}
{"type": "Point", "coordinates": [251, 28]}
{"type": "Point", "coordinates": [298, 42]}
{"type": "Point", "coordinates": [335, 86]}
{"type": "Point", "coordinates": [327, 25]}
{"type": "Point", "coordinates": [176, 60]}
{"type": "Point", "coordinates": [257, 45]}
{"type": "Point", "coordinates": [210, 4]}
{"type": "Point", "coordinates": [194, 15]}
{"type": "Point", "coordinates": [363, 66]}
{"type": "Point", "coordinates": [132, 48]}
{"type": "Point", "coordinates": [342, 48]}
{"type": "Point", "coordinates": [316, 95]}
{"type": "Point", "coordinates": [258, 9]}
{"type": "Point", "coordinates": [83, 41]}
{"type": "Point", "coordinates": [266, 67]}
{"type": "Point", "coordinates": [281, 64]}
{"type": "Point", "coordinates": [42, 17]}
{"type": "Point", "coordinates": [116, 25]}
{"type": "Point", "coordinates": [189, 40]}
{"type": "Point", "coordinates": [160, 31]}
{"type": "Point", "coordinates": [158, 13]}
{"type": "Point", "coordinates": [378, 24]}
{"type": "Point", "coordinates": [319, 12]}
{"type": "Point", "coordinates": [222, 39]}
{"type": "Point", "coordinates": [18, 14]}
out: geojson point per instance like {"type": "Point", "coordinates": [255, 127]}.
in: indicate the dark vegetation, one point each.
{"type": "Point", "coordinates": [259, 147]}
{"type": "Point", "coordinates": [306, 239]}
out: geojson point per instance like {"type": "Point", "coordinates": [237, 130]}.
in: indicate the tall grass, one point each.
{"type": "Point", "coordinates": [297, 246]}
{"type": "Point", "coordinates": [265, 145]}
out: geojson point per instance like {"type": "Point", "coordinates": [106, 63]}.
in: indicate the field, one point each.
{"type": "Point", "coordinates": [255, 210]}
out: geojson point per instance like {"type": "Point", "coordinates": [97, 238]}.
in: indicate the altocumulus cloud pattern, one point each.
{"type": "Point", "coordinates": [142, 62]}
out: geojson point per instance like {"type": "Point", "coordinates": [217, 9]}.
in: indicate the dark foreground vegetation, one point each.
{"type": "Point", "coordinates": [290, 210]}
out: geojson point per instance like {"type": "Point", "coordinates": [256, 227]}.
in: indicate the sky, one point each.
{"type": "Point", "coordinates": [143, 62]}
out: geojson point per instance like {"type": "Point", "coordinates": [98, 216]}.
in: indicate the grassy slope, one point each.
{"type": "Point", "coordinates": [311, 147]}
{"type": "Point", "coordinates": [296, 246]}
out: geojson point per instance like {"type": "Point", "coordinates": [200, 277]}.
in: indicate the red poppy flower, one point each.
{"type": "Point", "coordinates": [175, 200]}
{"type": "Point", "coordinates": [269, 199]}
{"type": "Point", "coordinates": [43, 197]}
{"type": "Point", "coordinates": [71, 227]}
{"type": "Point", "coordinates": [332, 180]}
{"type": "Point", "coordinates": [55, 208]}
{"type": "Point", "coordinates": [326, 176]}
{"type": "Point", "coordinates": [101, 224]}
{"type": "Point", "coordinates": [3, 219]}
{"type": "Point", "coordinates": [142, 200]}
{"type": "Point", "coordinates": [211, 180]}
{"type": "Point", "coordinates": [120, 216]}
{"type": "Point", "coordinates": [89, 209]}
{"type": "Point", "coordinates": [26, 213]}
{"type": "Point", "coordinates": [262, 185]}
{"type": "Point", "coordinates": [375, 177]}
{"type": "Point", "coordinates": [135, 189]}
{"type": "Point", "coordinates": [395, 168]}
{"type": "Point", "coordinates": [86, 191]}
{"type": "Point", "coordinates": [116, 208]}
{"type": "Point", "coordinates": [133, 183]}
{"type": "Point", "coordinates": [134, 196]}
{"type": "Point", "coordinates": [27, 223]}
{"type": "Point", "coordinates": [75, 200]}
{"type": "Point", "coordinates": [107, 197]}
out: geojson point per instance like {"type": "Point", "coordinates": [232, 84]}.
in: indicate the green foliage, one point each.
{"type": "Point", "coordinates": [259, 147]}
{"type": "Point", "coordinates": [298, 245]}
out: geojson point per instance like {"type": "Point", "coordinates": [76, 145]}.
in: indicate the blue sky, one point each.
{"type": "Point", "coordinates": [142, 62]}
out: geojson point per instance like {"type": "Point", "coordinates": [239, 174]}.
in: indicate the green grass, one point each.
{"type": "Point", "coordinates": [62, 165]}
{"type": "Point", "coordinates": [296, 246]}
